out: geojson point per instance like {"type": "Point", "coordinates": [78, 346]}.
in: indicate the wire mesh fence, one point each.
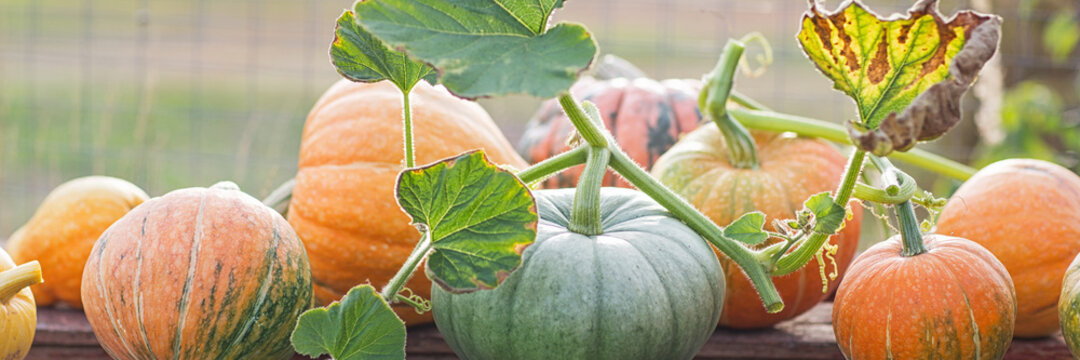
{"type": "Point", "coordinates": [171, 93]}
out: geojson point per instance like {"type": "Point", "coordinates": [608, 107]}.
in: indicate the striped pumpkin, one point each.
{"type": "Point", "coordinates": [1069, 307]}
{"type": "Point", "coordinates": [646, 117]}
{"type": "Point", "coordinates": [955, 301]}
{"type": "Point", "coordinates": [197, 274]}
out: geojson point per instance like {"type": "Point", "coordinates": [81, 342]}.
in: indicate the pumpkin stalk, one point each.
{"type": "Point", "coordinates": [406, 115]}
{"type": "Point", "coordinates": [585, 216]}
{"type": "Point", "coordinates": [279, 198]}
{"type": "Point", "coordinates": [742, 153]}
{"type": "Point", "coordinates": [17, 278]}
{"type": "Point", "coordinates": [909, 230]}
{"type": "Point", "coordinates": [391, 289]}
{"type": "Point", "coordinates": [777, 122]}
{"type": "Point", "coordinates": [540, 171]}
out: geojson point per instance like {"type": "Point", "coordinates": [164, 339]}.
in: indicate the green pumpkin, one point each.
{"type": "Point", "coordinates": [648, 287]}
{"type": "Point", "coordinates": [1069, 307]}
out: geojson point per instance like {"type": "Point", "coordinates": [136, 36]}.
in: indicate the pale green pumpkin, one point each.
{"type": "Point", "coordinates": [648, 287]}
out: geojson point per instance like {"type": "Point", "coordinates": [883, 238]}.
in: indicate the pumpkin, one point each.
{"type": "Point", "coordinates": [646, 288]}
{"type": "Point", "coordinates": [1069, 307]}
{"type": "Point", "coordinates": [199, 273]}
{"type": "Point", "coordinates": [645, 116]}
{"type": "Point", "coordinates": [1027, 213]}
{"type": "Point", "coordinates": [343, 206]}
{"type": "Point", "coordinates": [18, 314]}
{"type": "Point", "coordinates": [64, 229]}
{"type": "Point", "coordinates": [791, 169]}
{"type": "Point", "coordinates": [955, 301]}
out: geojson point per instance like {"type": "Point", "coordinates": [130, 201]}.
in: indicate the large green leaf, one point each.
{"type": "Point", "coordinates": [359, 326]}
{"type": "Point", "coordinates": [480, 218]}
{"type": "Point", "coordinates": [485, 47]}
{"type": "Point", "coordinates": [885, 63]}
{"type": "Point", "coordinates": [361, 57]}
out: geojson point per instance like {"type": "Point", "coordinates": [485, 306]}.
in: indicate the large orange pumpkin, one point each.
{"type": "Point", "coordinates": [646, 117]}
{"type": "Point", "coordinates": [1027, 213]}
{"type": "Point", "coordinates": [343, 205]}
{"type": "Point", "coordinates": [197, 274]}
{"type": "Point", "coordinates": [954, 301]}
{"type": "Point", "coordinates": [64, 229]}
{"type": "Point", "coordinates": [791, 170]}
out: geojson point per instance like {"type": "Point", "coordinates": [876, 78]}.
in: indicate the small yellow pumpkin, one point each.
{"type": "Point", "coordinates": [18, 315]}
{"type": "Point", "coordinates": [64, 229]}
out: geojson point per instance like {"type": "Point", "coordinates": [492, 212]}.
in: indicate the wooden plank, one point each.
{"type": "Point", "coordinates": [65, 333]}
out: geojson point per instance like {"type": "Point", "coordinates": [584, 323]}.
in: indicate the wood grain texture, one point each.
{"type": "Point", "coordinates": [65, 334]}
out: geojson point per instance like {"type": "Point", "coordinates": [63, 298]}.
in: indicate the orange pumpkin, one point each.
{"type": "Point", "coordinates": [64, 228]}
{"type": "Point", "coordinates": [646, 117]}
{"type": "Point", "coordinates": [197, 274]}
{"type": "Point", "coordinates": [791, 170]}
{"type": "Point", "coordinates": [343, 205]}
{"type": "Point", "coordinates": [954, 301]}
{"type": "Point", "coordinates": [1027, 213]}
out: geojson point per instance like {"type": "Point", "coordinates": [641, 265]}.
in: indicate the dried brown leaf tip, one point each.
{"type": "Point", "coordinates": [906, 73]}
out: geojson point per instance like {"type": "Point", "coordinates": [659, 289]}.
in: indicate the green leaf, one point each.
{"type": "Point", "coordinates": [885, 63]}
{"type": "Point", "coordinates": [748, 228]}
{"type": "Point", "coordinates": [361, 57]}
{"type": "Point", "coordinates": [359, 326]}
{"type": "Point", "coordinates": [828, 215]}
{"type": "Point", "coordinates": [480, 216]}
{"type": "Point", "coordinates": [485, 47]}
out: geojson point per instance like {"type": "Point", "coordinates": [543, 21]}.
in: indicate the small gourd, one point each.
{"type": "Point", "coordinates": [64, 229]}
{"type": "Point", "coordinates": [18, 314]}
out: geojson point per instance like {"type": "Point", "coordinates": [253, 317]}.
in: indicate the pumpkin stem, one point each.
{"type": "Point", "coordinates": [280, 197]}
{"type": "Point", "coordinates": [542, 170]}
{"type": "Point", "coordinates": [909, 230]}
{"type": "Point", "coordinates": [389, 292]}
{"type": "Point", "coordinates": [742, 153]}
{"type": "Point", "coordinates": [17, 278]}
{"type": "Point", "coordinates": [406, 115]}
{"type": "Point", "coordinates": [585, 215]}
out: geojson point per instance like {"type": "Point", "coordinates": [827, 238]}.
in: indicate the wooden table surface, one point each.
{"type": "Point", "coordinates": [65, 334]}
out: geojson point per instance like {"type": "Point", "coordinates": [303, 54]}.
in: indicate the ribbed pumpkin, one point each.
{"type": "Point", "coordinates": [646, 288]}
{"type": "Point", "coordinates": [1069, 307]}
{"type": "Point", "coordinates": [64, 229]}
{"type": "Point", "coordinates": [1027, 213]}
{"type": "Point", "coordinates": [18, 314]}
{"type": "Point", "coordinates": [197, 274]}
{"type": "Point", "coordinates": [791, 169]}
{"type": "Point", "coordinates": [343, 206]}
{"type": "Point", "coordinates": [954, 301]}
{"type": "Point", "coordinates": [646, 117]}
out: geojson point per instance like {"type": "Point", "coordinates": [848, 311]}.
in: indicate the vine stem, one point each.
{"type": "Point", "coordinates": [777, 122]}
{"type": "Point", "coordinates": [637, 176]}
{"type": "Point", "coordinates": [17, 278]}
{"type": "Point", "coordinates": [406, 271]}
{"type": "Point", "coordinates": [280, 196]}
{"type": "Point", "coordinates": [801, 255]}
{"type": "Point", "coordinates": [406, 115]}
{"type": "Point", "coordinates": [541, 170]}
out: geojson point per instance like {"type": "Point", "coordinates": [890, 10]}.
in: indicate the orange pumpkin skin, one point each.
{"type": "Point", "coordinates": [343, 206]}
{"type": "Point", "coordinates": [197, 274]}
{"type": "Point", "coordinates": [955, 301]}
{"type": "Point", "coordinates": [646, 117]}
{"type": "Point", "coordinates": [791, 170]}
{"type": "Point", "coordinates": [1027, 213]}
{"type": "Point", "coordinates": [64, 229]}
